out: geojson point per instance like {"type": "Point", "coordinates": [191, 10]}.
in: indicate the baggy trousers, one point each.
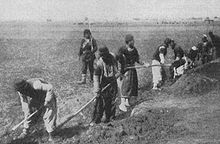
{"type": "Point", "coordinates": [49, 115]}
{"type": "Point", "coordinates": [106, 103]}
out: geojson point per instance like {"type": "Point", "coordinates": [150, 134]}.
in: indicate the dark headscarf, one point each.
{"type": "Point", "coordinates": [87, 31]}
{"type": "Point", "coordinates": [20, 85]}
{"type": "Point", "coordinates": [167, 41]}
{"type": "Point", "coordinates": [211, 34]}
{"type": "Point", "coordinates": [129, 38]}
{"type": "Point", "coordinates": [106, 56]}
{"type": "Point", "coordinates": [103, 51]}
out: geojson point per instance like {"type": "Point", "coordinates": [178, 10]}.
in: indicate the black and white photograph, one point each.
{"type": "Point", "coordinates": [109, 71]}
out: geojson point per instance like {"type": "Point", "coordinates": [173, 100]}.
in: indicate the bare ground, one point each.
{"type": "Point", "coordinates": [186, 112]}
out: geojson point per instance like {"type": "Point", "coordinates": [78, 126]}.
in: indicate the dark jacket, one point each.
{"type": "Point", "coordinates": [127, 58]}
{"type": "Point", "coordinates": [178, 52]}
{"type": "Point", "coordinates": [216, 42]}
{"type": "Point", "coordinates": [193, 54]}
{"type": "Point", "coordinates": [88, 49]}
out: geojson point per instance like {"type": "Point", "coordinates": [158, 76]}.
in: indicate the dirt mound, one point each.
{"type": "Point", "coordinates": [198, 81]}
{"type": "Point", "coordinates": [151, 127]}
{"type": "Point", "coordinates": [166, 117]}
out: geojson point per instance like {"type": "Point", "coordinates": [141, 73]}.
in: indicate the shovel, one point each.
{"type": "Point", "coordinates": [19, 124]}
{"type": "Point", "coordinates": [69, 117]}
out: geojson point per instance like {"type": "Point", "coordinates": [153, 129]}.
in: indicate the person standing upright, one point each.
{"type": "Point", "coordinates": [158, 60]}
{"type": "Point", "coordinates": [179, 65]}
{"type": "Point", "coordinates": [192, 56]}
{"type": "Point", "coordinates": [216, 43]}
{"type": "Point", "coordinates": [207, 50]}
{"type": "Point", "coordinates": [105, 75]}
{"type": "Point", "coordinates": [127, 56]}
{"type": "Point", "coordinates": [87, 51]}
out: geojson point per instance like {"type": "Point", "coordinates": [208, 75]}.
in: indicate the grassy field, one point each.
{"type": "Point", "coordinates": [50, 51]}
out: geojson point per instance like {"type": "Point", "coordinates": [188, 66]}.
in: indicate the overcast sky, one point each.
{"type": "Point", "coordinates": [40, 10]}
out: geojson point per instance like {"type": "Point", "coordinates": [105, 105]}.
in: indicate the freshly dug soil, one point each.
{"type": "Point", "coordinates": [198, 81]}
{"type": "Point", "coordinates": [153, 126]}
{"type": "Point", "coordinates": [186, 112]}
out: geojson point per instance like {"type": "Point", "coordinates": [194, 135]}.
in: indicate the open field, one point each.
{"type": "Point", "coordinates": [50, 51]}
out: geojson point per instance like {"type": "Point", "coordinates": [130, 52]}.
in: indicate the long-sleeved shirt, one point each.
{"type": "Point", "coordinates": [193, 54]}
{"type": "Point", "coordinates": [127, 58]}
{"type": "Point", "coordinates": [105, 73]}
{"type": "Point", "coordinates": [37, 93]}
{"type": "Point", "coordinates": [178, 52]}
{"type": "Point", "coordinates": [87, 49]}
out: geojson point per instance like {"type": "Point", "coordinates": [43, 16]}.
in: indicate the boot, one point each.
{"type": "Point", "coordinates": [127, 102]}
{"type": "Point", "coordinates": [83, 80]}
{"type": "Point", "coordinates": [91, 78]}
{"type": "Point", "coordinates": [50, 137]}
{"type": "Point", "coordinates": [155, 87]}
{"type": "Point", "coordinates": [122, 106]}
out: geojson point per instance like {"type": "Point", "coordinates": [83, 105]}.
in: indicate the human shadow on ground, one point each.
{"type": "Point", "coordinates": [42, 136]}
{"type": "Point", "coordinates": [69, 132]}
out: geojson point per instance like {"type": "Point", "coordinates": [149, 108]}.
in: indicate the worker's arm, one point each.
{"type": "Point", "coordinates": [81, 48]}
{"type": "Point", "coordinates": [162, 59]}
{"type": "Point", "coordinates": [162, 54]}
{"type": "Point", "coordinates": [24, 104]}
{"type": "Point", "coordinates": [120, 57]}
{"type": "Point", "coordinates": [97, 81]}
{"type": "Point", "coordinates": [138, 58]}
{"type": "Point", "coordinates": [94, 45]}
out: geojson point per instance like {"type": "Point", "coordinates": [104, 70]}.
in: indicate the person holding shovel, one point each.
{"type": "Point", "coordinates": [127, 56]}
{"type": "Point", "coordinates": [159, 59]}
{"type": "Point", "coordinates": [37, 95]}
{"type": "Point", "coordinates": [105, 87]}
{"type": "Point", "coordinates": [179, 64]}
{"type": "Point", "coordinates": [87, 51]}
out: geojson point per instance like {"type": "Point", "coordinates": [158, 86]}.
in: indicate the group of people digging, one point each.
{"type": "Point", "coordinates": [114, 72]}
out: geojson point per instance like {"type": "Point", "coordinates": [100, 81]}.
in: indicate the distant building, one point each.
{"type": "Point", "coordinates": [197, 19]}
{"type": "Point", "coordinates": [49, 20]}
{"type": "Point", "coordinates": [216, 18]}
{"type": "Point", "coordinates": [136, 19]}
{"type": "Point", "coordinates": [208, 20]}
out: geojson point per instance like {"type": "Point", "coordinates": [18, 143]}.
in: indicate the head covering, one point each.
{"type": "Point", "coordinates": [20, 84]}
{"type": "Point", "coordinates": [167, 41]}
{"type": "Point", "coordinates": [211, 33]}
{"type": "Point", "coordinates": [103, 51]}
{"type": "Point", "coordinates": [194, 48]}
{"type": "Point", "coordinates": [204, 38]}
{"type": "Point", "coordinates": [129, 38]}
{"type": "Point", "coordinates": [106, 56]}
{"type": "Point", "coordinates": [87, 31]}
{"type": "Point", "coordinates": [204, 35]}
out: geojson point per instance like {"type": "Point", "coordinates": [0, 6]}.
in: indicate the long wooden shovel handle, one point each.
{"type": "Point", "coordinates": [142, 66]}
{"type": "Point", "coordinates": [15, 127]}
{"type": "Point", "coordinates": [68, 118]}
